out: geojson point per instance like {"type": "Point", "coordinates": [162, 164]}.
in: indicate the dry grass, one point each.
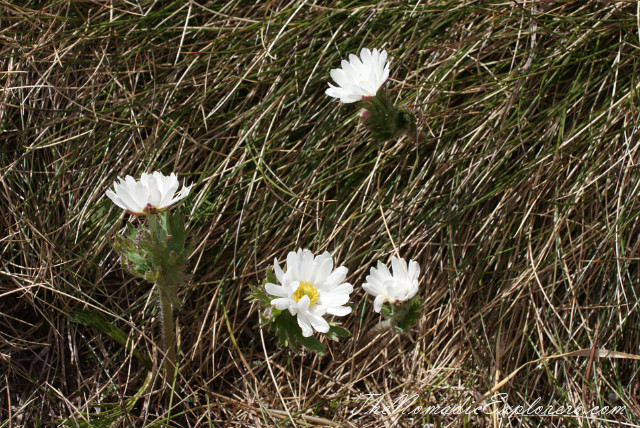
{"type": "Point", "coordinates": [524, 217]}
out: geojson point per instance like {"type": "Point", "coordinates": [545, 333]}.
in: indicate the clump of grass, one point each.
{"type": "Point", "coordinates": [520, 206]}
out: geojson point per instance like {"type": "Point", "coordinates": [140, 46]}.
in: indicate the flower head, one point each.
{"type": "Point", "coordinates": [397, 287]}
{"type": "Point", "coordinates": [152, 193]}
{"type": "Point", "coordinates": [360, 77]}
{"type": "Point", "coordinates": [310, 288]}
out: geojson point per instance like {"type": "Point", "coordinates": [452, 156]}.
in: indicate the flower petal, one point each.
{"type": "Point", "coordinates": [169, 189]}
{"type": "Point", "coordinates": [333, 299]}
{"type": "Point", "coordinates": [282, 303]}
{"type": "Point", "coordinates": [340, 77]}
{"type": "Point", "coordinates": [124, 192]}
{"type": "Point", "coordinates": [292, 266]}
{"type": "Point", "coordinates": [304, 324]}
{"type": "Point", "coordinates": [414, 270]}
{"type": "Point", "coordinates": [115, 199]}
{"type": "Point", "coordinates": [318, 323]}
{"type": "Point", "coordinates": [336, 277]}
{"type": "Point", "coordinates": [377, 303]}
{"type": "Point", "coordinates": [276, 290]}
{"type": "Point", "coordinates": [278, 271]}
{"type": "Point", "coordinates": [307, 267]}
{"type": "Point", "coordinates": [338, 310]}
{"type": "Point", "coordinates": [324, 268]}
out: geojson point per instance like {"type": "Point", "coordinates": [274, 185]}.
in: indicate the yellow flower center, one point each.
{"type": "Point", "coordinates": [306, 289]}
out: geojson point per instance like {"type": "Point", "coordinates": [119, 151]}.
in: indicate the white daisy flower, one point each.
{"type": "Point", "coordinates": [310, 288]}
{"type": "Point", "coordinates": [360, 77]}
{"type": "Point", "coordinates": [397, 287]}
{"type": "Point", "coordinates": [151, 194]}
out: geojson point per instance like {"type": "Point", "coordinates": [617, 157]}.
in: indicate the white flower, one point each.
{"type": "Point", "coordinates": [152, 193]}
{"type": "Point", "coordinates": [359, 77]}
{"type": "Point", "coordinates": [397, 287]}
{"type": "Point", "coordinates": [309, 289]}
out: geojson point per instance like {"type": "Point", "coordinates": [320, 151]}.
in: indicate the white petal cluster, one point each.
{"type": "Point", "coordinates": [309, 289]}
{"type": "Point", "coordinates": [398, 286]}
{"type": "Point", "coordinates": [360, 77]}
{"type": "Point", "coordinates": [152, 193]}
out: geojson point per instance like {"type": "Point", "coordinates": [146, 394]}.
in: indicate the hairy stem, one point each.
{"type": "Point", "coordinates": [164, 293]}
{"type": "Point", "coordinates": [168, 337]}
{"type": "Point", "coordinates": [378, 328]}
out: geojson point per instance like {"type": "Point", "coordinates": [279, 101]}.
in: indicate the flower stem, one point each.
{"type": "Point", "coordinates": [379, 328]}
{"type": "Point", "coordinates": [164, 293]}
{"type": "Point", "coordinates": [155, 228]}
{"type": "Point", "coordinates": [168, 336]}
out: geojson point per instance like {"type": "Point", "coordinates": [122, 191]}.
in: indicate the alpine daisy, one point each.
{"type": "Point", "coordinates": [360, 77]}
{"type": "Point", "coordinates": [151, 194]}
{"type": "Point", "coordinates": [397, 287]}
{"type": "Point", "coordinates": [309, 289]}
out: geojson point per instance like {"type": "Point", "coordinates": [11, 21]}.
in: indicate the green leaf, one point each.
{"type": "Point", "coordinates": [286, 327]}
{"type": "Point", "coordinates": [406, 315]}
{"type": "Point", "coordinates": [275, 312]}
{"type": "Point", "coordinates": [176, 234]}
{"type": "Point", "coordinates": [312, 344]}
{"type": "Point", "coordinates": [384, 120]}
{"type": "Point", "coordinates": [386, 311]}
{"type": "Point", "coordinates": [336, 331]}
{"type": "Point", "coordinates": [340, 331]}
{"type": "Point", "coordinates": [157, 254]}
{"type": "Point", "coordinates": [271, 276]}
